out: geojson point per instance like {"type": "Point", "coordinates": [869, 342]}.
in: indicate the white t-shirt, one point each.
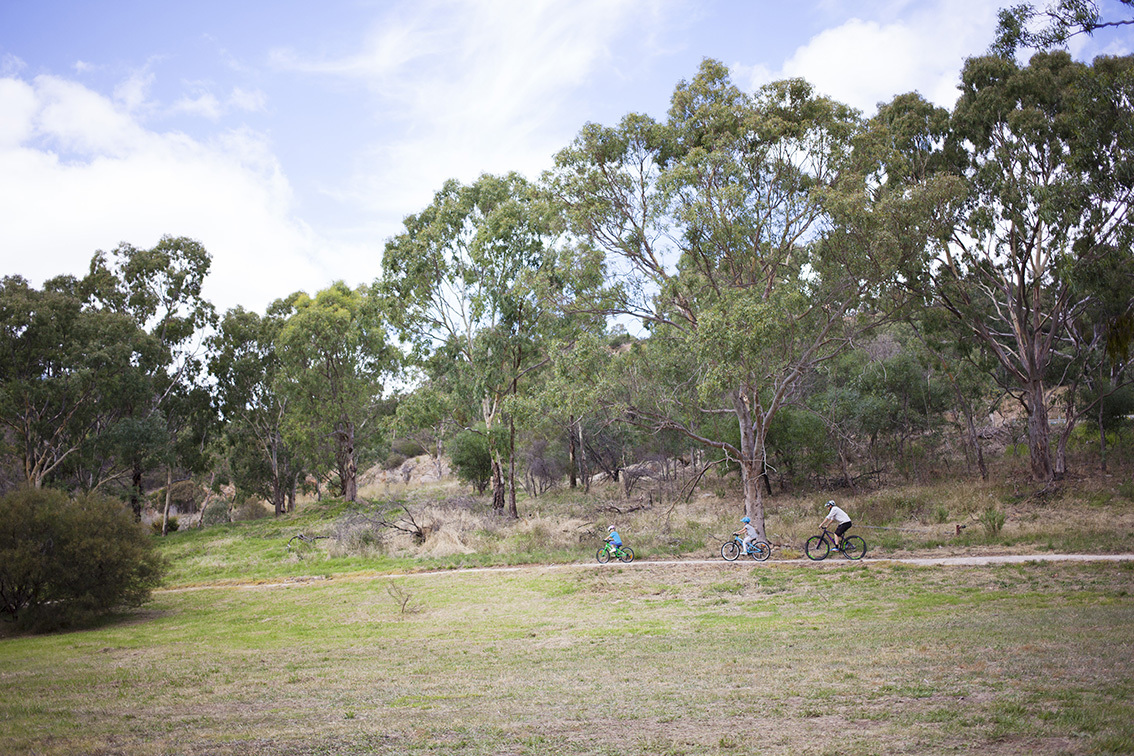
{"type": "Point", "coordinates": [839, 515]}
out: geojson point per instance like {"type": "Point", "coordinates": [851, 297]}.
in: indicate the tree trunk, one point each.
{"type": "Point", "coordinates": [497, 484]}
{"type": "Point", "coordinates": [168, 501]}
{"type": "Point", "coordinates": [512, 470]}
{"type": "Point", "coordinates": [573, 451]}
{"type": "Point", "coordinates": [277, 478]}
{"type": "Point", "coordinates": [136, 493]}
{"type": "Point", "coordinates": [347, 463]}
{"type": "Point", "coordinates": [1039, 433]}
{"type": "Point", "coordinates": [583, 461]}
{"type": "Point", "coordinates": [751, 459]}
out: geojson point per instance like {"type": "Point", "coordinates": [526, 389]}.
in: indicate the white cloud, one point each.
{"type": "Point", "coordinates": [863, 62]}
{"type": "Point", "coordinates": [18, 108]}
{"type": "Point", "coordinates": [251, 101]}
{"type": "Point", "coordinates": [134, 91]}
{"type": "Point", "coordinates": [10, 65]}
{"type": "Point", "coordinates": [118, 181]}
{"type": "Point", "coordinates": [204, 104]}
{"type": "Point", "coordinates": [478, 85]}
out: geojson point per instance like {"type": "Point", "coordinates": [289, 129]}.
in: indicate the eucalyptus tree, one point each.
{"type": "Point", "coordinates": [1053, 25]}
{"type": "Point", "coordinates": [246, 366]}
{"type": "Point", "coordinates": [744, 234]}
{"type": "Point", "coordinates": [160, 289]}
{"type": "Point", "coordinates": [335, 359]}
{"type": "Point", "coordinates": [470, 279]}
{"type": "Point", "coordinates": [1047, 176]}
{"type": "Point", "coordinates": [63, 370]}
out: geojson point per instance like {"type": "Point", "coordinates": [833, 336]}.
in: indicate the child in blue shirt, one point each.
{"type": "Point", "coordinates": [613, 539]}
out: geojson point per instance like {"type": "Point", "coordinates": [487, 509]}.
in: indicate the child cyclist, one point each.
{"type": "Point", "coordinates": [835, 514]}
{"type": "Point", "coordinates": [613, 539]}
{"type": "Point", "coordinates": [748, 531]}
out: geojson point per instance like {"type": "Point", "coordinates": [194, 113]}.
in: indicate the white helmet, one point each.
{"type": "Point", "coordinates": [609, 529]}
{"type": "Point", "coordinates": [831, 503]}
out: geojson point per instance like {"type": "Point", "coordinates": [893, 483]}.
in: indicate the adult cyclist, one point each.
{"type": "Point", "coordinates": [836, 514]}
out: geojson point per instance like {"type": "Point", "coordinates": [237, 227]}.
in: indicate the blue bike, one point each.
{"type": "Point", "coordinates": [758, 550]}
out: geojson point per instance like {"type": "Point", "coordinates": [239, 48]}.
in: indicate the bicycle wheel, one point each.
{"type": "Point", "coordinates": [760, 551]}
{"type": "Point", "coordinates": [854, 547]}
{"type": "Point", "coordinates": [817, 548]}
{"type": "Point", "coordinates": [603, 556]}
{"type": "Point", "coordinates": [626, 554]}
{"type": "Point", "coordinates": [730, 550]}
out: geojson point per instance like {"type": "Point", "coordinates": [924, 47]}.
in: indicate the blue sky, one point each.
{"type": "Point", "coordinates": [291, 138]}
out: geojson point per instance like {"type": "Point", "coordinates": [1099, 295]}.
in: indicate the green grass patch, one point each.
{"type": "Point", "coordinates": [587, 660]}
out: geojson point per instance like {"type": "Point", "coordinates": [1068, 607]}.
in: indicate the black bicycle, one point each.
{"type": "Point", "coordinates": [819, 547]}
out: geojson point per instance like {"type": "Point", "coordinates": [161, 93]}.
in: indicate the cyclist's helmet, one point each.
{"type": "Point", "coordinates": [831, 503]}
{"type": "Point", "coordinates": [746, 519]}
{"type": "Point", "coordinates": [610, 528]}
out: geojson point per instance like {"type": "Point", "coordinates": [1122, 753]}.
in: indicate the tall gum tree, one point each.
{"type": "Point", "coordinates": [334, 359]}
{"type": "Point", "coordinates": [160, 288]}
{"type": "Point", "coordinates": [473, 277]}
{"type": "Point", "coordinates": [743, 233]}
{"type": "Point", "coordinates": [1048, 166]}
{"type": "Point", "coordinates": [245, 366]}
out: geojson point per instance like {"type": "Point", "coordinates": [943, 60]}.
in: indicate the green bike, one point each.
{"type": "Point", "coordinates": [621, 553]}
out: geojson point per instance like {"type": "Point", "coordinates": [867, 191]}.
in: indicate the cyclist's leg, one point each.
{"type": "Point", "coordinates": [843, 527]}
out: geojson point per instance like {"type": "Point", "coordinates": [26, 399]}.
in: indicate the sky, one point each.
{"type": "Point", "coordinates": [292, 138]}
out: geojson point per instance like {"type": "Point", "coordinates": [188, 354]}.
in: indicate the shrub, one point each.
{"type": "Point", "coordinates": [408, 448]}
{"type": "Point", "coordinates": [171, 525]}
{"type": "Point", "coordinates": [216, 513]}
{"type": "Point", "coordinates": [63, 559]}
{"type": "Point", "coordinates": [992, 519]}
{"type": "Point", "coordinates": [471, 457]}
{"type": "Point", "coordinates": [250, 510]}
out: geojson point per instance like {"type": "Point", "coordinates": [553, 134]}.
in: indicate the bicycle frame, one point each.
{"type": "Point", "coordinates": [829, 537]}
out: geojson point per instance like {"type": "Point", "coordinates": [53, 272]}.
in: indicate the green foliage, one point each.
{"type": "Point", "coordinates": [171, 526]}
{"type": "Point", "coordinates": [471, 455]}
{"type": "Point", "coordinates": [216, 513]}
{"type": "Point", "coordinates": [62, 559]}
{"type": "Point", "coordinates": [992, 519]}
{"type": "Point", "coordinates": [335, 358]}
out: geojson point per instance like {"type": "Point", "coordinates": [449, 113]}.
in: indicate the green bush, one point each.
{"type": "Point", "coordinates": [471, 456]}
{"type": "Point", "coordinates": [64, 559]}
{"type": "Point", "coordinates": [408, 448]}
{"type": "Point", "coordinates": [170, 526]}
{"type": "Point", "coordinates": [250, 510]}
{"type": "Point", "coordinates": [216, 513]}
{"type": "Point", "coordinates": [992, 520]}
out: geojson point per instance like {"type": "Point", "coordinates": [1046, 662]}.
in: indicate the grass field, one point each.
{"type": "Point", "coordinates": [875, 658]}
{"type": "Point", "coordinates": [505, 637]}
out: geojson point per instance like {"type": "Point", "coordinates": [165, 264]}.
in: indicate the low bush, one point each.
{"type": "Point", "coordinates": [63, 560]}
{"type": "Point", "coordinates": [216, 513]}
